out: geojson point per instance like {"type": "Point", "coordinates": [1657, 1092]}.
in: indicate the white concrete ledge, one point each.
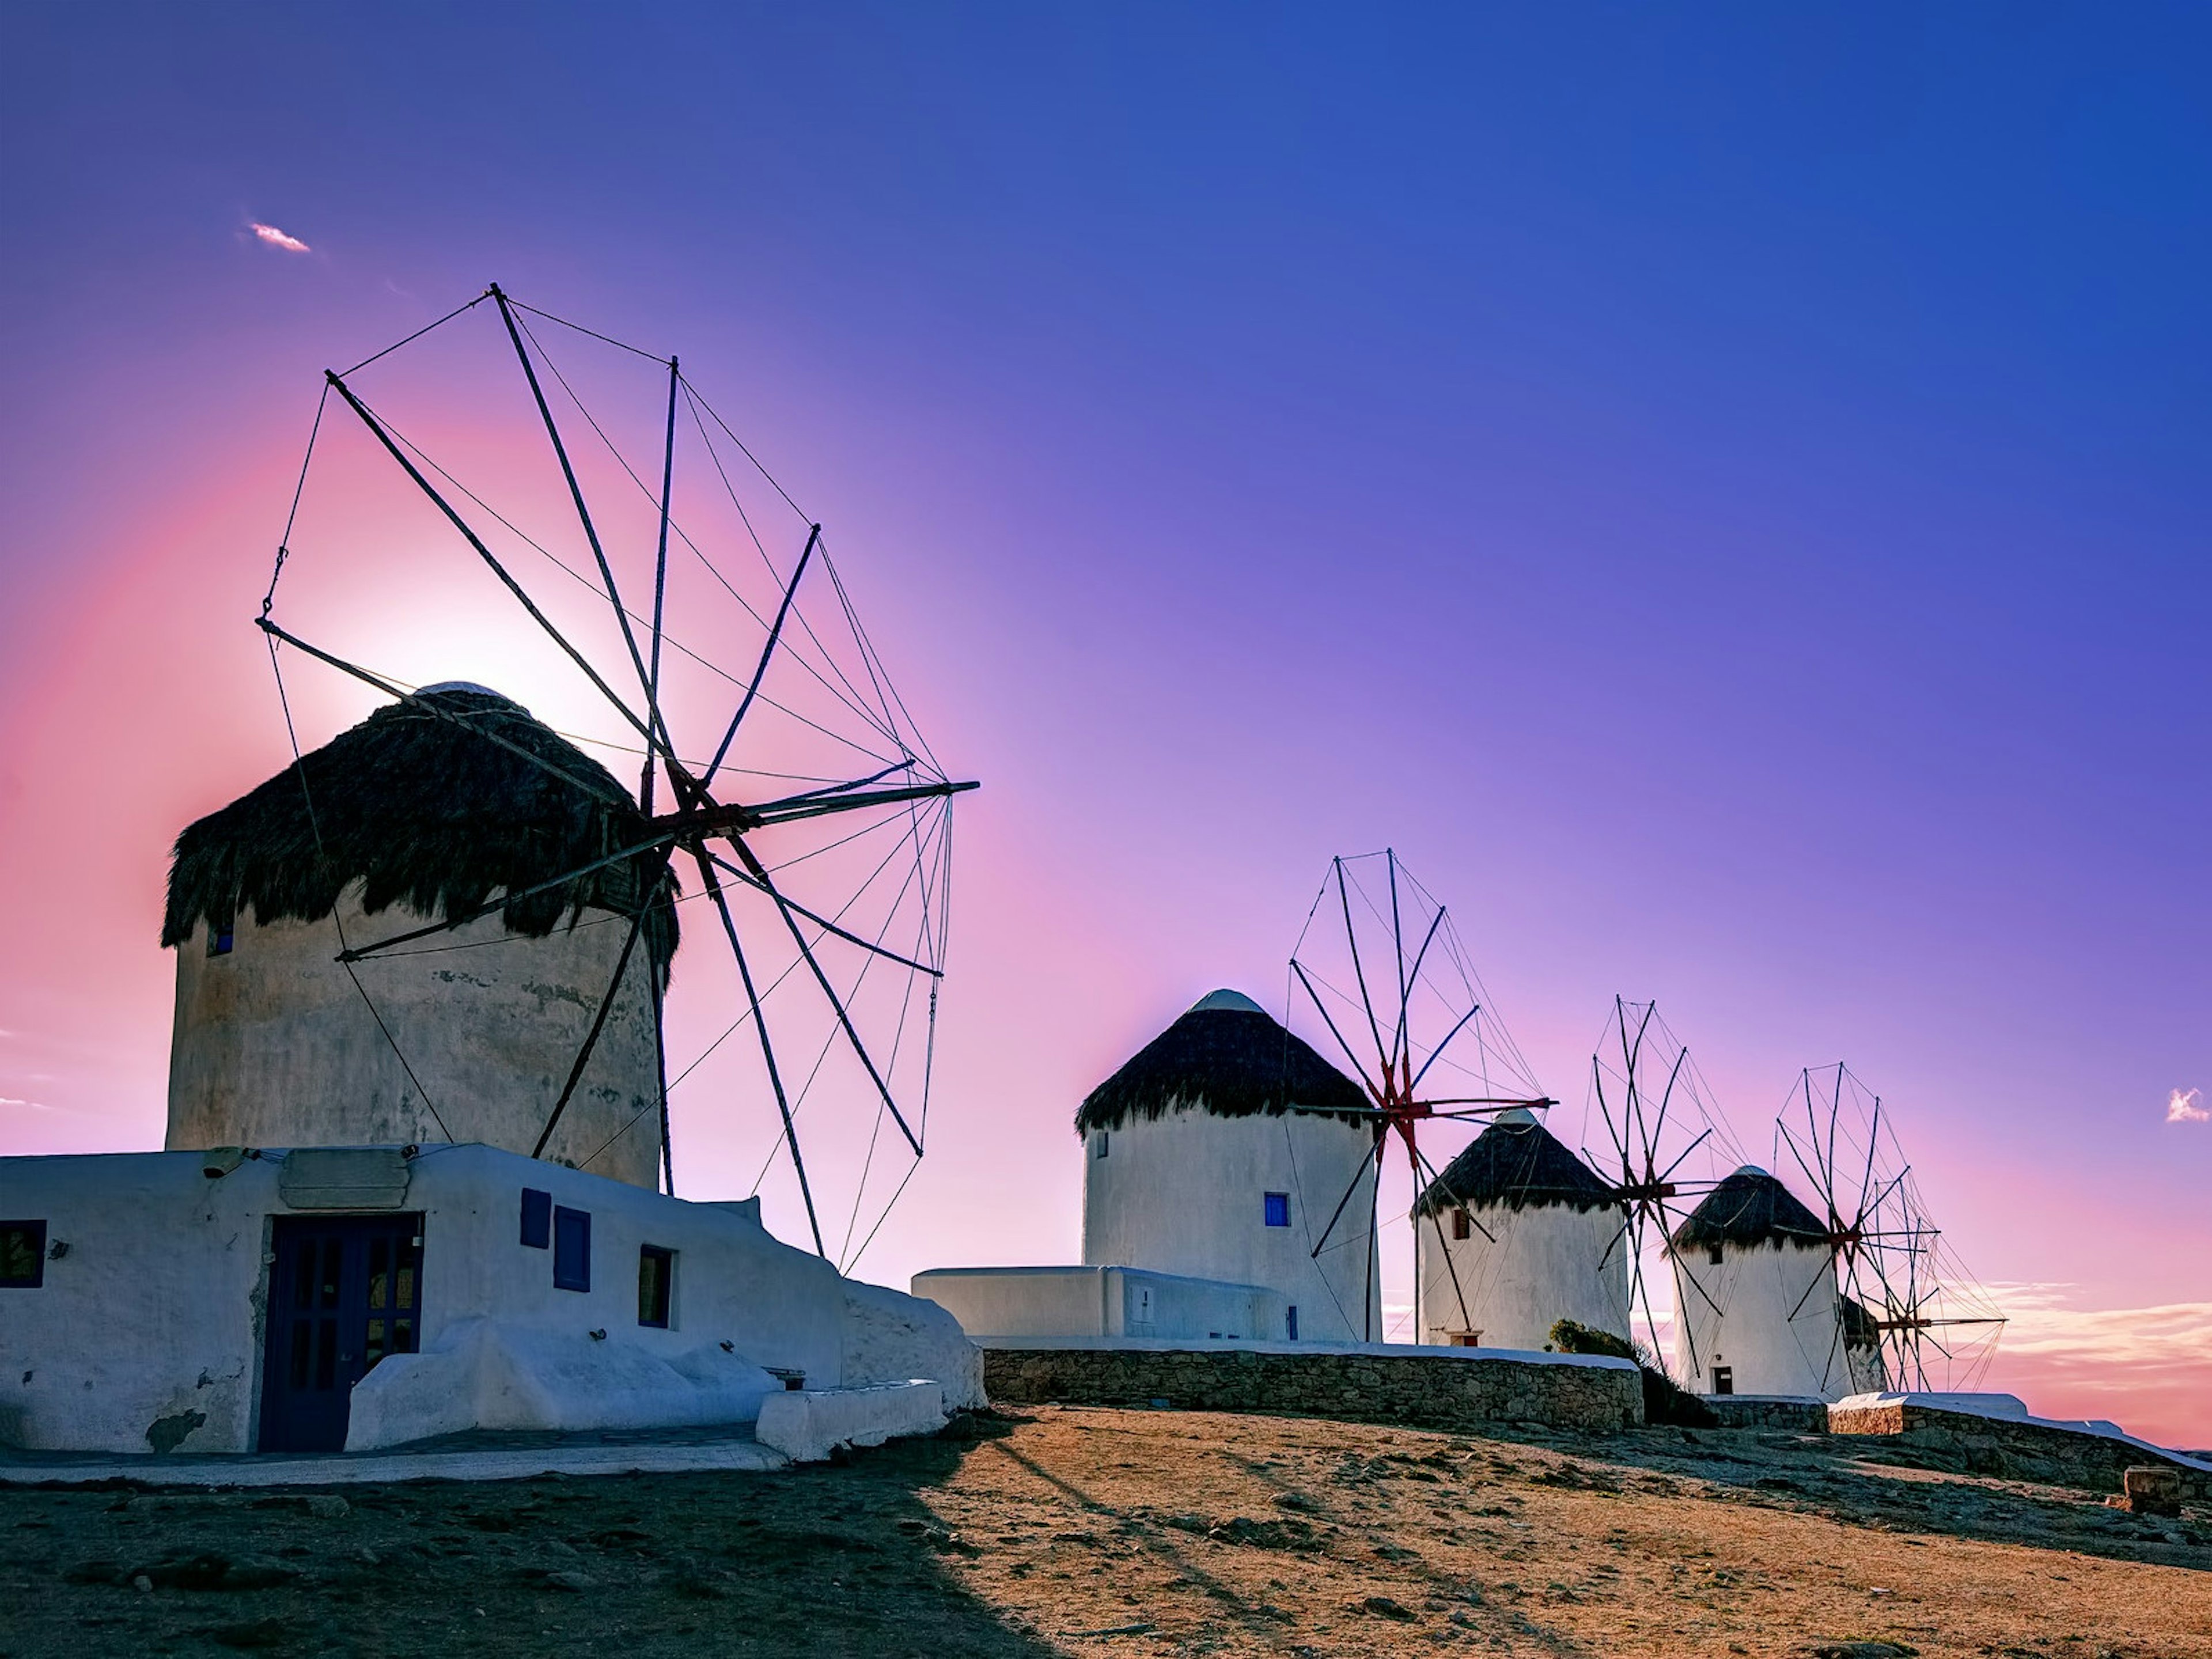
{"type": "Point", "coordinates": [807, 1425]}
{"type": "Point", "coordinates": [356, 1468]}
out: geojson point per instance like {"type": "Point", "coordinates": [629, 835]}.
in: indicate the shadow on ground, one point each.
{"type": "Point", "coordinates": [827, 1561]}
{"type": "Point", "coordinates": [1862, 1480]}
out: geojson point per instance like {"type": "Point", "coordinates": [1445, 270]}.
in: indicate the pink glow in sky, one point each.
{"type": "Point", "coordinates": [1731, 515]}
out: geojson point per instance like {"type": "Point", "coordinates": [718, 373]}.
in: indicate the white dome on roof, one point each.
{"type": "Point", "coordinates": [1754, 1169]}
{"type": "Point", "coordinates": [1517, 1117]}
{"type": "Point", "coordinates": [463, 685]}
{"type": "Point", "coordinates": [1226, 1002]}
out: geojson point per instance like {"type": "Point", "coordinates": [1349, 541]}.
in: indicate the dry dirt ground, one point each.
{"type": "Point", "coordinates": [1135, 1534]}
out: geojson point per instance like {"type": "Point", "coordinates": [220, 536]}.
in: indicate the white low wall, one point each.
{"type": "Point", "coordinates": [146, 1333]}
{"type": "Point", "coordinates": [806, 1426]}
{"type": "Point", "coordinates": [1101, 1302]}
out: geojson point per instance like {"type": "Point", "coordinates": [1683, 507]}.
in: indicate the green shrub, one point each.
{"type": "Point", "coordinates": [1662, 1401]}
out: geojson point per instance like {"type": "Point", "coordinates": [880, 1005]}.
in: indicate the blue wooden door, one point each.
{"type": "Point", "coordinates": [344, 1292]}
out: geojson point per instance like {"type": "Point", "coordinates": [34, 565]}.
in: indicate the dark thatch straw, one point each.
{"type": "Point", "coordinates": [1228, 1062]}
{"type": "Point", "coordinates": [426, 816]}
{"type": "Point", "coordinates": [1750, 1208]}
{"type": "Point", "coordinates": [1518, 1166]}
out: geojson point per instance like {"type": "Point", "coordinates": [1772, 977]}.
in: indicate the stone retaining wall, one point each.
{"type": "Point", "coordinates": [1421, 1390]}
{"type": "Point", "coordinates": [1752, 1411]}
{"type": "Point", "coordinates": [2026, 1451]}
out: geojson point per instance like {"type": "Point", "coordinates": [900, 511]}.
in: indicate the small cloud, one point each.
{"type": "Point", "coordinates": [2181, 1106]}
{"type": "Point", "coordinates": [35, 1105]}
{"type": "Point", "coordinates": [276, 238]}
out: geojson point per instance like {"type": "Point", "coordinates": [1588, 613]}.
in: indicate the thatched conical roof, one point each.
{"type": "Point", "coordinates": [1226, 1056]}
{"type": "Point", "coordinates": [427, 815]}
{"type": "Point", "coordinates": [1516, 1163]}
{"type": "Point", "coordinates": [1750, 1207]}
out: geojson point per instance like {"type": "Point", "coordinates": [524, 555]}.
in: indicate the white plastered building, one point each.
{"type": "Point", "coordinates": [1515, 1234]}
{"type": "Point", "coordinates": [1757, 1310]}
{"type": "Point", "coordinates": [347, 1244]}
{"type": "Point", "coordinates": [1216, 1153]}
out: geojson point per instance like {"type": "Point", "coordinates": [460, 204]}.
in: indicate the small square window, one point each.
{"type": "Point", "coordinates": [656, 1276]}
{"type": "Point", "coordinates": [1713, 1255]}
{"type": "Point", "coordinates": [1105, 1145]}
{"type": "Point", "coordinates": [22, 1255]}
{"type": "Point", "coordinates": [1461, 1227]}
{"type": "Point", "coordinates": [572, 1250]}
{"type": "Point", "coordinates": [1723, 1379]}
{"type": "Point", "coordinates": [537, 1218]}
{"type": "Point", "coordinates": [219, 940]}
{"type": "Point", "coordinates": [1278, 1209]}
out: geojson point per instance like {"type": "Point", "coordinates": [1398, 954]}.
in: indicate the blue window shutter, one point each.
{"type": "Point", "coordinates": [1291, 1319]}
{"type": "Point", "coordinates": [536, 1218]}
{"type": "Point", "coordinates": [572, 1250]}
{"type": "Point", "coordinates": [1279, 1209]}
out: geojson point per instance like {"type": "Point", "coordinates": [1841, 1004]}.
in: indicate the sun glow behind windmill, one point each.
{"type": "Point", "coordinates": [514, 499]}
{"type": "Point", "coordinates": [1379, 980]}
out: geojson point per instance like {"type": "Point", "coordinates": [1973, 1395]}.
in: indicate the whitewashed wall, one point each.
{"type": "Point", "coordinates": [1183, 1194]}
{"type": "Point", "coordinates": [1101, 1302]}
{"type": "Point", "coordinates": [1542, 1268]}
{"type": "Point", "coordinates": [273, 1047]}
{"type": "Point", "coordinates": [1754, 1333]}
{"type": "Point", "coordinates": [154, 1312]}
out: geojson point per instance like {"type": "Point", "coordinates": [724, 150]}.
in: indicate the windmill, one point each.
{"type": "Point", "coordinates": [1909, 1311]}
{"type": "Point", "coordinates": [1381, 970]}
{"type": "Point", "coordinates": [1658, 1118]}
{"type": "Point", "coordinates": [587, 520]}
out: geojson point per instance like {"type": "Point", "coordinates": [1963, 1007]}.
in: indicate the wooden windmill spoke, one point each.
{"type": "Point", "coordinates": [1413, 973]}
{"type": "Point", "coordinates": [1668, 1173]}
{"type": "Point", "coordinates": [1298, 969]}
{"type": "Point", "coordinates": [645, 678]}
{"type": "Point", "coordinates": [1627, 1225]}
{"type": "Point", "coordinates": [1835, 1351]}
{"type": "Point", "coordinates": [767, 653]}
{"type": "Point", "coordinates": [1874, 1139]}
{"type": "Point", "coordinates": [651, 739]}
{"type": "Point", "coordinates": [1490, 1105]}
{"type": "Point", "coordinates": [1398, 1035]}
{"type": "Point", "coordinates": [1337, 1214]}
{"type": "Point", "coordinates": [768, 1049]}
{"type": "Point", "coordinates": [761, 877]}
{"type": "Point", "coordinates": [653, 669]}
{"type": "Point", "coordinates": [1642, 1290]}
{"type": "Point", "coordinates": [738, 872]}
{"type": "Point", "coordinates": [1358, 972]}
{"type": "Point", "coordinates": [598, 1024]}
{"type": "Point", "coordinates": [1619, 1137]}
{"type": "Point", "coordinates": [1690, 1278]}
{"type": "Point", "coordinates": [569, 877]}
{"type": "Point", "coordinates": [1667, 1097]}
{"type": "Point", "coordinates": [821, 804]}
{"type": "Point", "coordinates": [1436, 1052]}
{"type": "Point", "coordinates": [1422, 1166]}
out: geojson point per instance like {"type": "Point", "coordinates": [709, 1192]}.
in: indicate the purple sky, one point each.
{"type": "Point", "coordinates": [1724, 496]}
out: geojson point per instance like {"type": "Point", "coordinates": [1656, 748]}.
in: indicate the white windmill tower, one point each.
{"type": "Point", "coordinates": [1215, 1152]}
{"type": "Point", "coordinates": [1523, 1238]}
{"type": "Point", "coordinates": [1759, 1308]}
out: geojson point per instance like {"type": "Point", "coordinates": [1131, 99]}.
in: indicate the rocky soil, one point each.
{"type": "Point", "coordinates": [1137, 1534]}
